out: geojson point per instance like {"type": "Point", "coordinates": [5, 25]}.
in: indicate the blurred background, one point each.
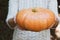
{"type": "Point", "coordinates": [5, 32]}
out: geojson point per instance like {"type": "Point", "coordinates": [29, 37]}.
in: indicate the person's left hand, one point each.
{"type": "Point", "coordinates": [54, 25]}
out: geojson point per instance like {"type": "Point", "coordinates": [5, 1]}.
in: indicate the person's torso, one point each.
{"type": "Point", "coordinates": [33, 3]}
{"type": "Point", "coordinates": [28, 35]}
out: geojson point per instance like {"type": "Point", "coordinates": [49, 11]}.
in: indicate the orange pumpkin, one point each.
{"type": "Point", "coordinates": [35, 19]}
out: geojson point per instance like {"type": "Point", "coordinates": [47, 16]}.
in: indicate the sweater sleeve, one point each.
{"type": "Point", "coordinates": [12, 10]}
{"type": "Point", "coordinates": [53, 7]}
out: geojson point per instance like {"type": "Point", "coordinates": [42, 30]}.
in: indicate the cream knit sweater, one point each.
{"type": "Point", "coordinates": [17, 5]}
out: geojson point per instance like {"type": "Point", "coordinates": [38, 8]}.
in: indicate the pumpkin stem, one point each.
{"type": "Point", "coordinates": [33, 10]}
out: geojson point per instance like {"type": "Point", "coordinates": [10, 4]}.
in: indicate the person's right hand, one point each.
{"type": "Point", "coordinates": [11, 23]}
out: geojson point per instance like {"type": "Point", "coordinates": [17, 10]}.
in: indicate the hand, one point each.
{"type": "Point", "coordinates": [55, 24]}
{"type": "Point", "coordinates": [11, 23]}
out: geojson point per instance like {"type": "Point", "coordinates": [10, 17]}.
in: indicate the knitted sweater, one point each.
{"type": "Point", "coordinates": [17, 5]}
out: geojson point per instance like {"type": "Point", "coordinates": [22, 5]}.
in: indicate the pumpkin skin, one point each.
{"type": "Point", "coordinates": [35, 19]}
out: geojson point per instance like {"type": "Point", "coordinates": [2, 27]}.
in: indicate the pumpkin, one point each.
{"type": "Point", "coordinates": [35, 19]}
